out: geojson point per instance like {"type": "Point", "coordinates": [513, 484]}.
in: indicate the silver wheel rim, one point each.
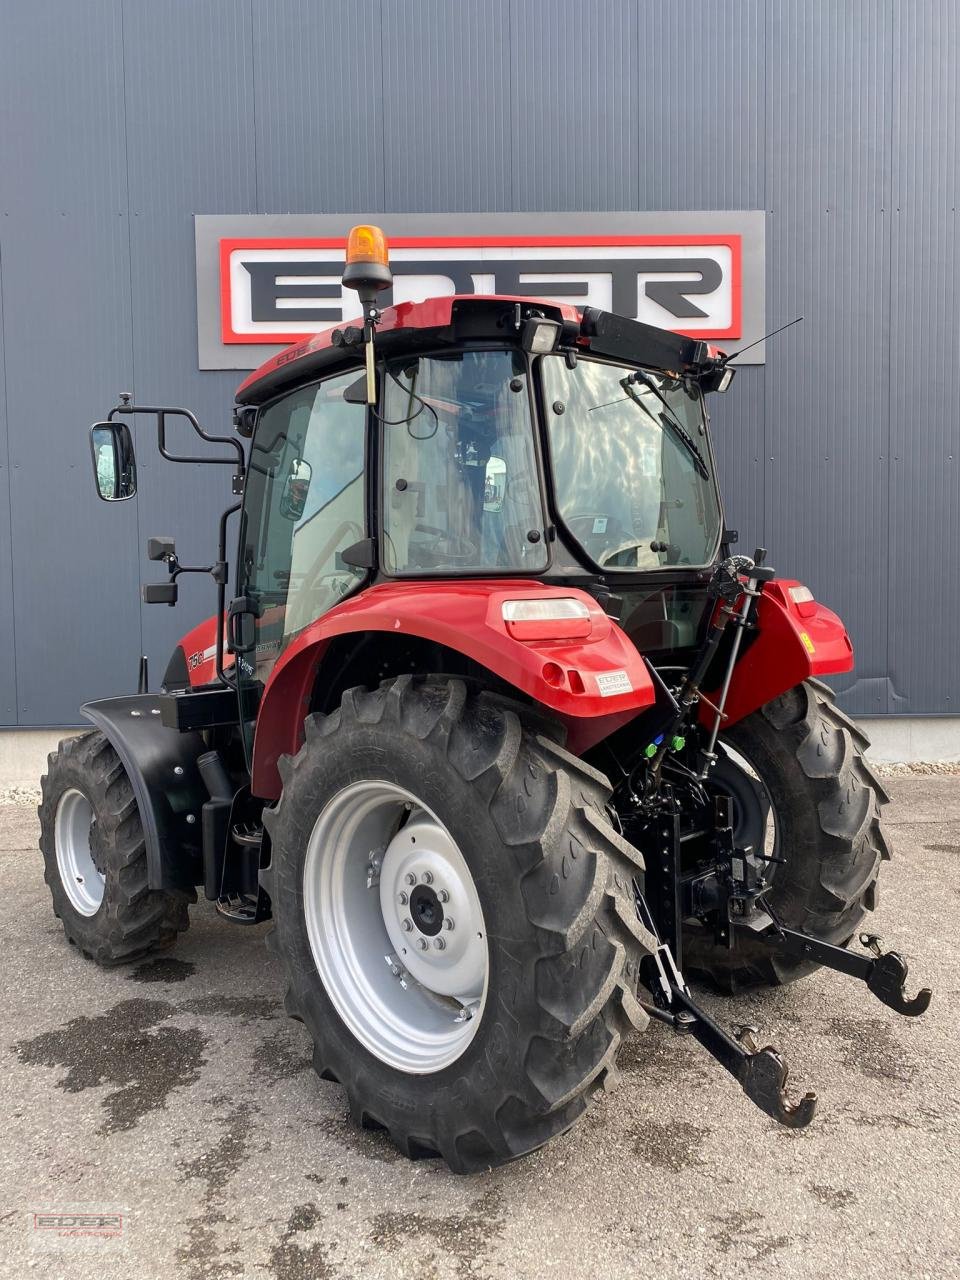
{"type": "Point", "coordinates": [395, 926]}
{"type": "Point", "coordinates": [78, 872]}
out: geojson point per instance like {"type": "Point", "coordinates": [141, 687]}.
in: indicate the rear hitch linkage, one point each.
{"type": "Point", "coordinates": [726, 890]}
{"type": "Point", "coordinates": [885, 973]}
{"type": "Point", "coordinates": [761, 1072]}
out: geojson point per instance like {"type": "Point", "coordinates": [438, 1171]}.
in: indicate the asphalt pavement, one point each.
{"type": "Point", "coordinates": [175, 1103]}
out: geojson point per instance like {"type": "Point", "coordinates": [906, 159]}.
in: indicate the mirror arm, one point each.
{"type": "Point", "coordinates": [161, 412]}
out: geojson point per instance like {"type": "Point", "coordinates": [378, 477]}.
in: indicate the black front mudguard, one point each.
{"type": "Point", "coordinates": [161, 764]}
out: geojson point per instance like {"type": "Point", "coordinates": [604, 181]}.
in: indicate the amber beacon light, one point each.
{"type": "Point", "coordinates": [368, 262]}
{"type": "Point", "coordinates": [368, 271]}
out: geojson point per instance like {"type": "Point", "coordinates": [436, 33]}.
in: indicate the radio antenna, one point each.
{"type": "Point", "coordinates": [733, 355]}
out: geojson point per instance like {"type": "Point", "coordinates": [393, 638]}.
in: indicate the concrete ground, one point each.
{"type": "Point", "coordinates": [178, 1094]}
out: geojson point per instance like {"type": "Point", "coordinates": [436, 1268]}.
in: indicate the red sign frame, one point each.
{"type": "Point", "coordinates": [229, 244]}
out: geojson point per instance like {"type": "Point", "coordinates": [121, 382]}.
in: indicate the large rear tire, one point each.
{"type": "Point", "coordinates": [513, 829]}
{"type": "Point", "coordinates": [826, 803]}
{"type": "Point", "coordinates": [95, 857]}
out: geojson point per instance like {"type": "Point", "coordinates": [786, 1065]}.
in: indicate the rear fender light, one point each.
{"type": "Point", "coordinates": [560, 618]}
{"type": "Point", "coordinates": [802, 599]}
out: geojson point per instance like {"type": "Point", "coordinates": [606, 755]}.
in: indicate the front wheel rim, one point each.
{"type": "Point", "coordinates": [83, 881]}
{"type": "Point", "coordinates": [395, 926]}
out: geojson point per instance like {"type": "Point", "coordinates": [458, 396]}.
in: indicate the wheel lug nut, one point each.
{"type": "Point", "coordinates": [402, 899]}
{"type": "Point", "coordinates": [448, 922]}
{"type": "Point", "coordinates": [410, 878]}
{"type": "Point", "coordinates": [443, 895]}
{"type": "Point", "coordinates": [427, 877]}
{"type": "Point", "coordinates": [406, 925]}
{"type": "Point", "coordinates": [439, 943]}
{"type": "Point", "coordinates": [422, 944]}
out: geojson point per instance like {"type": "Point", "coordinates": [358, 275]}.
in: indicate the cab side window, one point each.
{"type": "Point", "coordinates": [305, 496]}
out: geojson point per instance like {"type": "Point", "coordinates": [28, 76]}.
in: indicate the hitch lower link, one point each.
{"type": "Point", "coordinates": [762, 1072]}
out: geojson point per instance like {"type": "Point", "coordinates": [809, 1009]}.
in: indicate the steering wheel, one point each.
{"type": "Point", "coordinates": [451, 548]}
{"type": "Point", "coordinates": [608, 556]}
{"type": "Point", "coordinates": [608, 542]}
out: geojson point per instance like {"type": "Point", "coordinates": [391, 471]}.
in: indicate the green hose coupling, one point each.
{"type": "Point", "coordinates": [677, 743]}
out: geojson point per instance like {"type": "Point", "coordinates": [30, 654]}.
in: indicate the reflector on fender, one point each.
{"type": "Point", "coordinates": [559, 618]}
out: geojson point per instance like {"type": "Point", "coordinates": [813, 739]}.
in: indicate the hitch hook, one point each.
{"type": "Point", "coordinates": [761, 1073]}
{"type": "Point", "coordinates": [887, 979]}
{"type": "Point", "coordinates": [763, 1077]}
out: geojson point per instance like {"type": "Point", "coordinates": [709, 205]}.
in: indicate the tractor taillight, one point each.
{"type": "Point", "coordinates": [560, 618]}
{"type": "Point", "coordinates": [803, 598]}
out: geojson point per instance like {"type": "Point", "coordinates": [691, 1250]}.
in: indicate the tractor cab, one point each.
{"type": "Point", "coordinates": [480, 458]}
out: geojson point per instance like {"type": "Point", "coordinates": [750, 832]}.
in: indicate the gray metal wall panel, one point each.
{"type": "Point", "coordinates": [184, 64]}
{"type": "Point", "coordinates": [319, 106]}
{"type": "Point", "coordinates": [828, 121]}
{"type": "Point", "coordinates": [574, 94]}
{"type": "Point", "coordinates": [700, 76]}
{"type": "Point", "coordinates": [122, 120]}
{"type": "Point", "coordinates": [8, 648]}
{"type": "Point", "coordinates": [67, 344]}
{"type": "Point", "coordinates": [736, 419]}
{"type": "Point", "coordinates": [449, 139]}
{"type": "Point", "coordinates": [923, 491]}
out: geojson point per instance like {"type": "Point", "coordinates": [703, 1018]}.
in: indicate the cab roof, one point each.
{"type": "Point", "coordinates": [459, 319]}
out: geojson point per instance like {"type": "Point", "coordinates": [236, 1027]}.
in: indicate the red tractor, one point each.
{"type": "Point", "coordinates": [496, 728]}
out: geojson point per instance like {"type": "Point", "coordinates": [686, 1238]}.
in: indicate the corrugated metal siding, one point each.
{"type": "Point", "coordinates": [195, 157]}
{"type": "Point", "coordinates": [923, 490]}
{"type": "Point", "coordinates": [316, 90]}
{"type": "Point", "coordinates": [448, 141]}
{"type": "Point", "coordinates": [123, 120]}
{"type": "Point", "coordinates": [827, 422]}
{"type": "Point", "coordinates": [700, 73]}
{"type": "Point", "coordinates": [8, 665]}
{"type": "Point", "coordinates": [576, 129]}
{"type": "Point", "coordinates": [66, 319]}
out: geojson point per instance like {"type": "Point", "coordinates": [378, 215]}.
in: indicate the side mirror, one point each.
{"type": "Point", "coordinates": [114, 462]}
{"type": "Point", "coordinates": [293, 500]}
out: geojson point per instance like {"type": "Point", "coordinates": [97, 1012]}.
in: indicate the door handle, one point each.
{"type": "Point", "coordinates": [241, 628]}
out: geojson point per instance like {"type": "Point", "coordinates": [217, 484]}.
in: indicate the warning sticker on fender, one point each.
{"type": "Point", "coordinates": [611, 682]}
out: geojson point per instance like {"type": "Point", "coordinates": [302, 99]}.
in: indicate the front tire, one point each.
{"type": "Point", "coordinates": [95, 857]}
{"type": "Point", "coordinates": [507, 816]}
{"type": "Point", "coordinates": [826, 802]}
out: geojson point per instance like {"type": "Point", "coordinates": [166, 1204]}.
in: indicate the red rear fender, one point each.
{"type": "Point", "coordinates": [591, 677]}
{"type": "Point", "coordinates": [793, 642]}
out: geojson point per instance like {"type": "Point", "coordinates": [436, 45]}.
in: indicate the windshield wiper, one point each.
{"type": "Point", "coordinates": [679, 430]}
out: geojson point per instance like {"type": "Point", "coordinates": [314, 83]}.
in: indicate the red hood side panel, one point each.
{"type": "Point", "coordinates": [200, 651]}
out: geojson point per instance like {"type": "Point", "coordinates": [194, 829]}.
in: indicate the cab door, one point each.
{"type": "Point", "coordinates": [303, 505]}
